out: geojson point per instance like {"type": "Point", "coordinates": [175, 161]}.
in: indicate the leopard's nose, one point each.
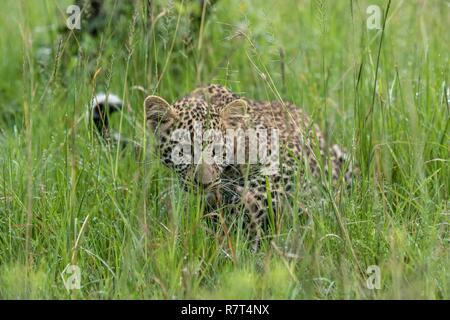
{"type": "Point", "coordinates": [204, 174]}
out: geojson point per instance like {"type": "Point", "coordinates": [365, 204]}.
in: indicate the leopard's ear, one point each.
{"type": "Point", "coordinates": [156, 110]}
{"type": "Point", "coordinates": [235, 112]}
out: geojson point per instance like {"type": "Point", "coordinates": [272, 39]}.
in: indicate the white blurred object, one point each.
{"type": "Point", "coordinates": [43, 56]}
{"type": "Point", "coordinates": [101, 107]}
{"type": "Point", "coordinates": [102, 98]}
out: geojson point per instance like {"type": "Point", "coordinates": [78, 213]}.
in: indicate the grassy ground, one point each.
{"type": "Point", "coordinates": [126, 221]}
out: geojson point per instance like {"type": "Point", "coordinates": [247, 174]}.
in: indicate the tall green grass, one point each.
{"type": "Point", "coordinates": [126, 221]}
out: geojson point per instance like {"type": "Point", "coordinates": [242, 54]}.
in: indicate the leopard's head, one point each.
{"type": "Point", "coordinates": [189, 131]}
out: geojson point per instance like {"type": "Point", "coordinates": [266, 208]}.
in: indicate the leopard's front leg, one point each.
{"type": "Point", "coordinates": [256, 209]}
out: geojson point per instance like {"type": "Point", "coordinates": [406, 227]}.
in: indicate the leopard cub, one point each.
{"type": "Point", "coordinates": [220, 141]}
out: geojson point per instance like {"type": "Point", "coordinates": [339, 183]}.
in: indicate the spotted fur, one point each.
{"type": "Point", "coordinates": [302, 149]}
